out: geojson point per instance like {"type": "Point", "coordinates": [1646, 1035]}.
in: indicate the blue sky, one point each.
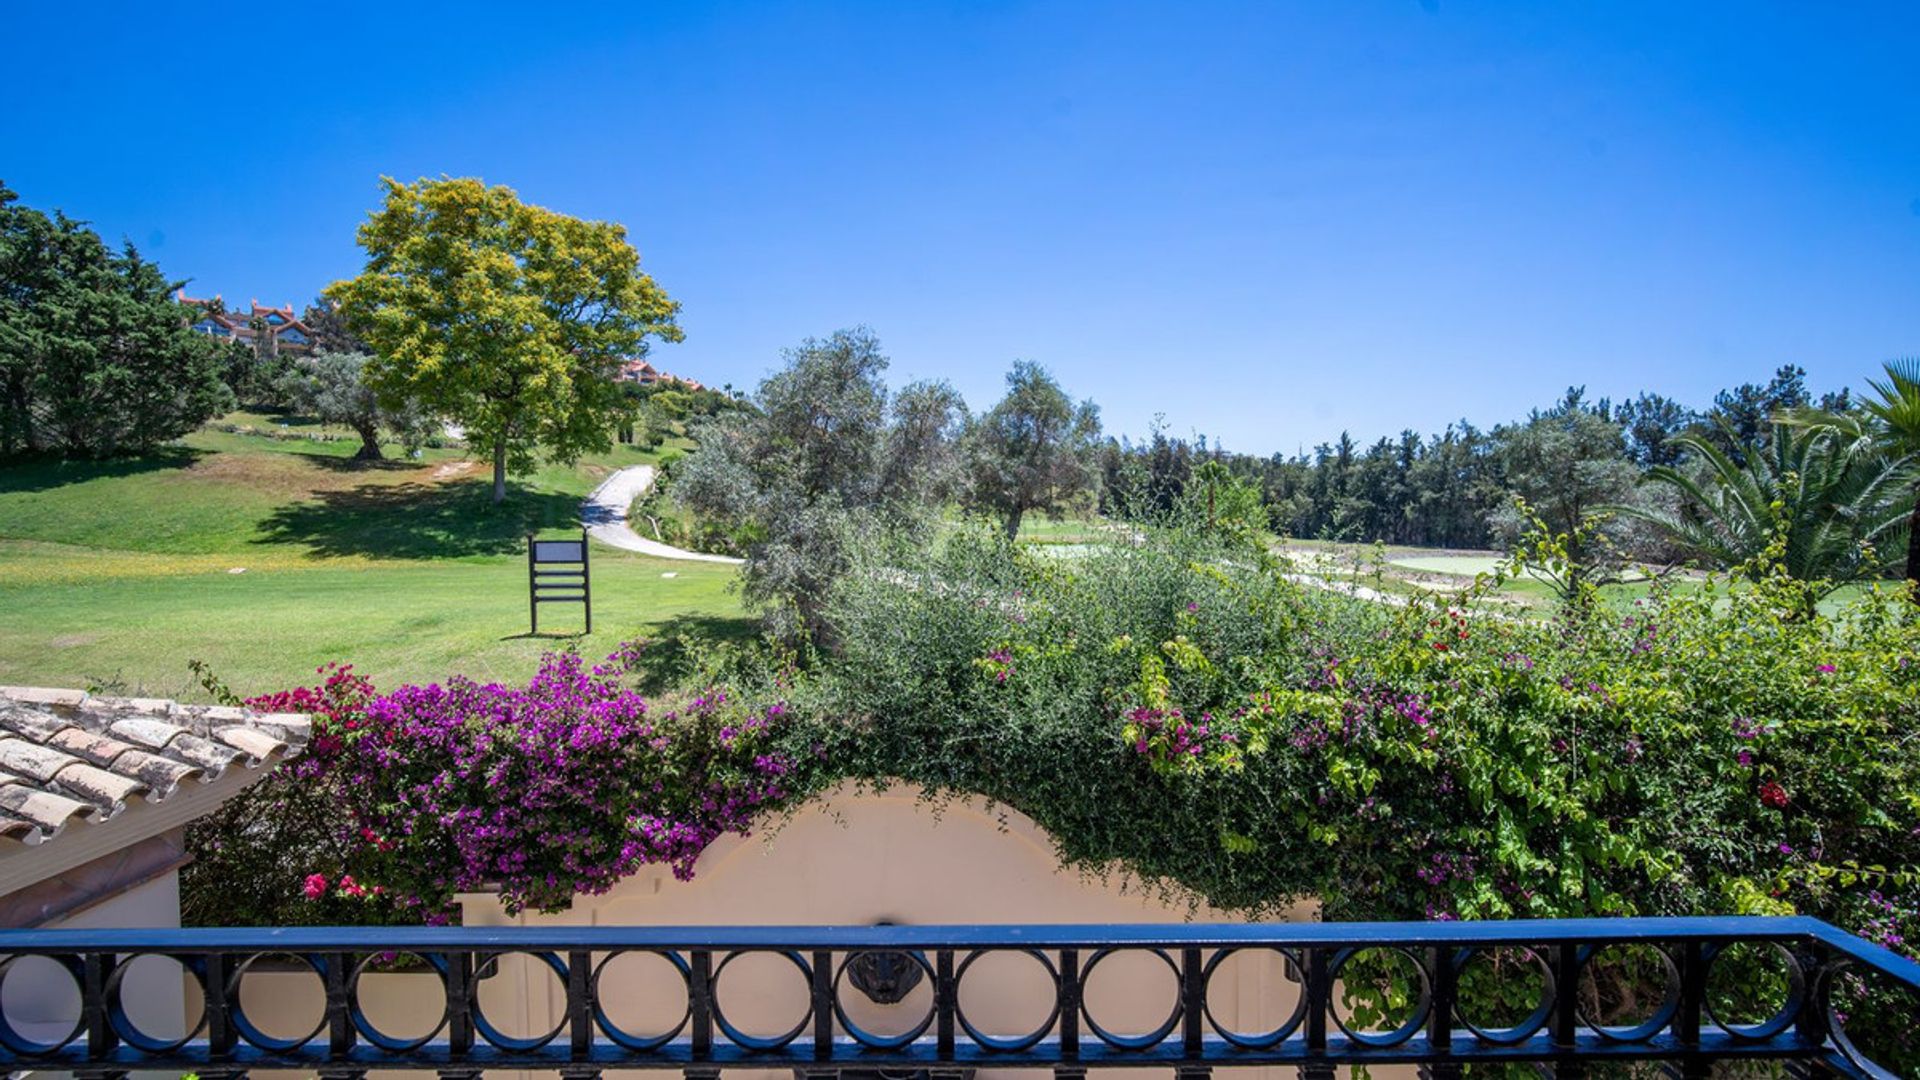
{"type": "Point", "coordinates": [1267, 222]}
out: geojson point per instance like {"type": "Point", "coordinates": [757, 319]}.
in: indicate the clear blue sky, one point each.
{"type": "Point", "coordinates": [1268, 222]}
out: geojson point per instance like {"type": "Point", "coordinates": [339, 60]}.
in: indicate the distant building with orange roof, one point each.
{"type": "Point", "coordinates": [267, 330]}
{"type": "Point", "coordinates": [644, 373]}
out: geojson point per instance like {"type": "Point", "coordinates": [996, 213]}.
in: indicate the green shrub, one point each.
{"type": "Point", "coordinates": [1712, 750]}
{"type": "Point", "coordinates": [1197, 716]}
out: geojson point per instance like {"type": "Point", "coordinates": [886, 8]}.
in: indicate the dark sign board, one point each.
{"type": "Point", "coordinates": [557, 574]}
{"type": "Point", "coordinates": [567, 551]}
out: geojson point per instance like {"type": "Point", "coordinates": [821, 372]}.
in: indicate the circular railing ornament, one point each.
{"type": "Point", "coordinates": [620, 1036]}
{"type": "Point", "coordinates": [515, 1044]}
{"type": "Point", "coordinates": [123, 1025]}
{"type": "Point", "coordinates": [11, 1037]}
{"type": "Point", "coordinates": [1780, 1021]}
{"type": "Point", "coordinates": [1243, 1040]}
{"type": "Point", "coordinates": [1131, 1042]}
{"type": "Point", "coordinates": [996, 1043]}
{"type": "Point", "coordinates": [237, 1013]}
{"type": "Point", "coordinates": [372, 1033]}
{"type": "Point", "coordinates": [1423, 1004]}
{"type": "Point", "coordinates": [1525, 1029]}
{"type": "Point", "coordinates": [1837, 1027]}
{"type": "Point", "coordinates": [1648, 1028]}
{"type": "Point", "coordinates": [759, 1043]}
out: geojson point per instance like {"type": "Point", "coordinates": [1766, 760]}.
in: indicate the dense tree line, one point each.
{"type": "Point", "coordinates": [96, 357]}
{"type": "Point", "coordinates": [1454, 489]}
{"type": "Point", "coordinates": [823, 460]}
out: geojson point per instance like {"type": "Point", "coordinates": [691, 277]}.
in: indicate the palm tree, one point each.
{"type": "Point", "coordinates": [1897, 410]}
{"type": "Point", "coordinates": [1833, 494]}
{"type": "Point", "coordinates": [1891, 419]}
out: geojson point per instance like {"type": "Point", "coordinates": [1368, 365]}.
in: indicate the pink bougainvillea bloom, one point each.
{"type": "Point", "coordinates": [315, 886]}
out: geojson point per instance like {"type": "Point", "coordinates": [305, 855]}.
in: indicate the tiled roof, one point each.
{"type": "Point", "coordinates": [66, 755]}
{"type": "Point", "coordinates": [241, 324]}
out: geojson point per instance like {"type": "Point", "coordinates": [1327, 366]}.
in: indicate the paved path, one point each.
{"type": "Point", "coordinates": [605, 516]}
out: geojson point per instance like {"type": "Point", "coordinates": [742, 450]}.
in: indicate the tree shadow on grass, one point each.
{"type": "Point", "coordinates": [416, 521]}
{"type": "Point", "coordinates": [45, 472]}
{"type": "Point", "coordinates": [679, 648]}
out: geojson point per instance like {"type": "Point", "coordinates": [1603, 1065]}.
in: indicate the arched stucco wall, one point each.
{"type": "Point", "coordinates": [860, 857]}
{"type": "Point", "coordinates": [856, 858]}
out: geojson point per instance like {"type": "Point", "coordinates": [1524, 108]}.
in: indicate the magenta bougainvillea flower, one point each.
{"type": "Point", "coordinates": [558, 788]}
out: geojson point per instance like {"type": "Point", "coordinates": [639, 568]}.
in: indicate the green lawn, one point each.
{"type": "Point", "coordinates": [223, 492]}
{"type": "Point", "coordinates": [268, 557]}
{"type": "Point", "coordinates": [137, 627]}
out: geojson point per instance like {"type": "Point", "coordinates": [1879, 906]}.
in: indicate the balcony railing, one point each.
{"type": "Point", "coordinates": [841, 966]}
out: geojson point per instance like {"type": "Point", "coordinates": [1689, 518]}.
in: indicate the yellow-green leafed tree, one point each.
{"type": "Point", "coordinates": [505, 318]}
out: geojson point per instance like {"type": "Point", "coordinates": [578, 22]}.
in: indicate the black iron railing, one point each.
{"type": "Point", "coordinates": [881, 967]}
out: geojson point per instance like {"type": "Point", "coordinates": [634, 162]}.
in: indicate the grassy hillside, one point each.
{"type": "Point", "coordinates": [267, 557]}
{"type": "Point", "coordinates": [226, 492]}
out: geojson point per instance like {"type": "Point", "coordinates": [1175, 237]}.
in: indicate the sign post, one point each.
{"type": "Point", "coordinates": [557, 574]}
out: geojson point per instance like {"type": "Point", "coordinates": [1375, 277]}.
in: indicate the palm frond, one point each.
{"type": "Point", "coordinates": [1824, 485]}
{"type": "Point", "coordinates": [1897, 405]}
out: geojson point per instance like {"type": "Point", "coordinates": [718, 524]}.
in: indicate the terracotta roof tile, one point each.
{"type": "Point", "coordinates": [145, 731]}
{"type": "Point", "coordinates": [158, 773]}
{"type": "Point", "coordinates": [247, 740]}
{"type": "Point", "coordinates": [49, 811]}
{"type": "Point", "coordinates": [99, 749]}
{"type": "Point", "coordinates": [206, 753]}
{"type": "Point", "coordinates": [33, 723]}
{"type": "Point", "coordinates": [66, 755]}
{"type": "Point", "coordinates": [16, 828]}
{"type": "Point", "coordinates": [96, 785]}
{"type": "Point", "coordinates": [40, 695]}
{"type": "Point", "coordinates": [32, 760]}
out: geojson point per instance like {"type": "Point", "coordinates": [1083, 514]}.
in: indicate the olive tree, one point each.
{"type": "Point", "coordinates": [825, 459]}
{"type": "Point", "coordinates": [332, 387]}
{"type": "Point", "coordinates": [1034, 450]}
